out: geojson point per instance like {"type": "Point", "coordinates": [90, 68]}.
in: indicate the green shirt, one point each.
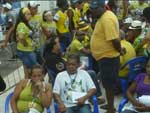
{"type": "Point", "coordinates": [22, 28]}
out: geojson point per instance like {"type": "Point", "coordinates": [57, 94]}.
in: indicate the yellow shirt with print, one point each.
{"type": "Point", "coordinates": [75, 17]}
{"type": "Point", "coordinates": [130, 54]}
{"type": "Point", "coordinates": [75, 47]}
{"type": "Point", "coordinates": [23, 29]}
{"type": "Point", "coordinates": [62, 22]}
{"type": "Point", "coordinates": [106, 30]}
{"type": "Point", "coordinates": [35, 22]}
{"type": "Point", "coordinates": [51, 27]}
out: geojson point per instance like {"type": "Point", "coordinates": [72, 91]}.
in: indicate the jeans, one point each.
{"type": "Point", "coordinates": [28, 58]}
{"type": "Point", "coordinates": [65, 40]}
{"type": "Point", "coordinates": [79, 109]}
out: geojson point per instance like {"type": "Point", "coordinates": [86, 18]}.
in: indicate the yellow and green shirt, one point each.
{"type": "Point", "coordinates": [51, 27]}
{"type": "Point", "coordinates": [23, 29]}
{"type": "Point", "coordinates": [26, 98]}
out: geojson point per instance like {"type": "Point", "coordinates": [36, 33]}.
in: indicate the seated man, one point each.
{"type": "Point", "coordinates": [73, 88]}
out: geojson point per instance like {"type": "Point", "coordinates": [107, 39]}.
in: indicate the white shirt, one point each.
{"type": "Point", "coordinates": [81, 82]}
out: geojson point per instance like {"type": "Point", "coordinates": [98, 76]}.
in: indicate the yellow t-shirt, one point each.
{"type": "Point", "coordinates": [136, 5]}
{"type": "Point", "coordinates": [51, 27]}
{"type": "Point", "coordinates": [130, 54]}
{"type": "Point", "coordinates": [62, 22]}
{"type": "Point", "coordinates": [22, 28]}
{"type": "Point", "coordinates": [85, 8]}
{"type": "Point", "coordinates": [35, 22]}
{"type": "Point", "coordinates": [78, 13]}
{"type": "Point", "coordinates": [75, 47]}
{"type": "Point", "coordinates": [106, 30]}
{"type": "Point", "coordinates": [75, 17]}
{"type": "Point", "coordinates": [86, 41]}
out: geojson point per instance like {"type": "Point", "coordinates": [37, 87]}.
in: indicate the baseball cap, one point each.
{"type": "Point", "coordinates": [33, 4]}
{"type": "Point", "coordinates": [136, 24]}
{"type": "Point", "coordinates": [96, 3]}
{"type": "Point", "coordinates": [7, 5]}
{"type": "Point", "coordinates": [83, 25]}
{"type": "Point", "coordinates": [128, 20]}
{"type": "Point", "coordinates": [76, 1]}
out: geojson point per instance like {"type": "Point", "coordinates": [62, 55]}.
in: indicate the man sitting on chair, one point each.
{"type": "Point", "coordinates": [73, 88]}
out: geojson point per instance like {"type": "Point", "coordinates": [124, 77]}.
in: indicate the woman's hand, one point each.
{"type": "Point", "coordinates": [24, 42]}
{"type": "Point", "coordinates": [38, 88]}
{"type": "Point", "coordinates": [142, 109]}
{"type": "Point", "coordinates": [137, 104]}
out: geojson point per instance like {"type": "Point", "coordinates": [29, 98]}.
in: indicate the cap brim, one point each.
{"type": "Point", "coordinates": [134, 28]}
{"type": "Point", "coordinates": [84, 28]}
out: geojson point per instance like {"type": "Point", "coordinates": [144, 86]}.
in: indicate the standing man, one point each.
{"type": "Point", "coordinates": [106, 48]}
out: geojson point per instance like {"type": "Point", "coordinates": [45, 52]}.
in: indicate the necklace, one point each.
{"type": "Point", "coordinates": [73, 80]}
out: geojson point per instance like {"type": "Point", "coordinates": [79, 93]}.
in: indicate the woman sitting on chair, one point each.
{"type": "Point", "coordinates": [32, 94]}
{"type": "Point", "coordinates": [141, 86]}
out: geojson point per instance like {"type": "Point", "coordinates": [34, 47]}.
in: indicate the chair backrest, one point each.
{"type": "Point", "coordinates": [7, 101]}
{"type": "Point", "coordinates": [137, 66]}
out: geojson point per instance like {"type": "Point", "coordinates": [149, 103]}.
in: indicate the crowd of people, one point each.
{"type": "Point", "coordinates": [74, 44]}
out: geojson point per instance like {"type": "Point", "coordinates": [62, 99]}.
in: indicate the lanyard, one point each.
{"type": "Point", "coordinates": [72, 80]}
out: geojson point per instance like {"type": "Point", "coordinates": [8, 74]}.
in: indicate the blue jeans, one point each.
{"type": "Point", "coordinates": [79, 109]}
{"type": "Point", "coordinates": [28, 58]}
{"type": "Point", "coordinates": [65, 40]}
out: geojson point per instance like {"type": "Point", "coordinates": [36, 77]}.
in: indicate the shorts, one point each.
{"type": "Point", "coordinates": [109, 69]}
{"type": "Point", "coordinates": [28, 58]}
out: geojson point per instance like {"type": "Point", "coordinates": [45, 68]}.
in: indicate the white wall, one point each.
{"type": "Point", "coordinates": [44, 5]}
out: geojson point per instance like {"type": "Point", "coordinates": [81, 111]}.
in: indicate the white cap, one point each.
{"type": "Point", "coordinates": [7, 5]}
{"type": "Point", "coordinates": [33, 4]}
{"type": "Point", "coordinates": [136, 24]}
{"type": "Point", "coordinates": [128, 20]}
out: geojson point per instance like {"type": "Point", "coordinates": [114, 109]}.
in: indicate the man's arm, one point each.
{"type": "Point", "coordinates": [61, 105]}
{"type": "Point", "coordinates": [117, 46]}
{"type": "Point", "coordinates": [8, 35]}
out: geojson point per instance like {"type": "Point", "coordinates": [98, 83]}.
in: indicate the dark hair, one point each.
{"type": "Point", "coordinates": [37, 67]}
{"type": "Point", "coordinates": [62, 3]}
{"type": "Point", "coordinates": [146, 13]}
{"type": "Point", "coordinates": [50, 44]}
{"type": "Point", "coordinates": [43, 15]}
{"type": "Point", "coordinates": [74, 57]}
{"type": "Point", "coordinates": [21, 18]}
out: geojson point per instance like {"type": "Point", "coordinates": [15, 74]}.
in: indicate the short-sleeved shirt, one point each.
{"type": "Point", "coordinates": [130, 54]}
{"type": "Point", "coordinates": [35, 23]}
{"type": "Point", "coordinates": [51, 27]}
{"type": "Point", "coordinates": [22, 28]}
{"type": "Point", "coordinates": [63, 85]}
{"type": "Point", "coordinates": [62, 22]}
{"type": "Point", "coordinates": [75, 46]}
{"type": "Point", "coordinates": [106, 30]}
{"type": "Point", "coordinates": [142, 88]}
{"type": "Point", "coordinates": [54, 62]}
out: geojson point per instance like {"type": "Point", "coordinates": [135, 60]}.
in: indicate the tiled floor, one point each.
{"type": "Point", "coordinates": [17, 75]}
